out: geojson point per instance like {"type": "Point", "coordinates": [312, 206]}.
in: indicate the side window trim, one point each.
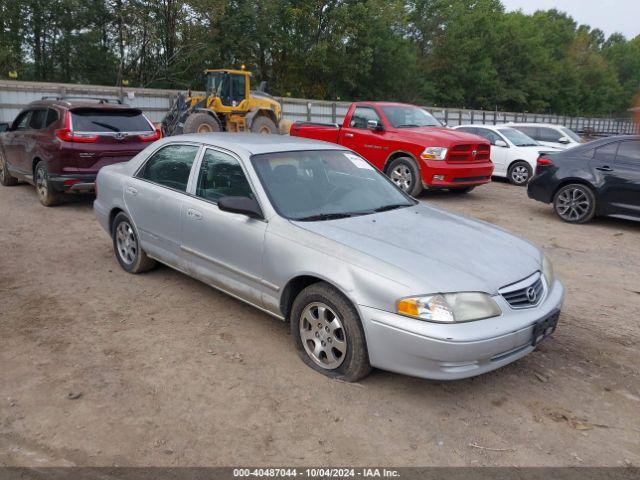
{"type": "Point", "coordinates": [196, 170]}
{"type": "Point", "coordinates": [137, 173]}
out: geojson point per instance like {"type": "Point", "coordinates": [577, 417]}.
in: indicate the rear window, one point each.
{"type": "Point", "coordinates": [103, 120]}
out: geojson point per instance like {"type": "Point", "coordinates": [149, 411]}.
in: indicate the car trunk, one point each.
{"type": "Point", "coordinates": [108, 136]}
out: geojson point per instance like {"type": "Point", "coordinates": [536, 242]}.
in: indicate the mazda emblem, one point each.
{"type": "Point", "coordinates": [532, 296]}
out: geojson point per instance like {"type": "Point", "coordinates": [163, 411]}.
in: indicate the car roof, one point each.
{"type": "Point", "coordinates": [552, 125]}
{"type": "Point", "coordinates": [254, 143]}
{"type": "Point", "coordinates": [80, 103]}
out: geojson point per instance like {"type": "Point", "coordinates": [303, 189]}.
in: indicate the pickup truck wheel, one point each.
{"type": "Point", "coordinates": [127, 247]}
{"type": "Point", "coordinates": [5, 177]}
{"type": "Point", "coordinates": [263, 125]}
{"type": "Point", "coordinates": [519, 173]}
{"type": "Point", "coordinates": [405, 174]}
{"type": "Point", "coordinates": [200, 123]}
{"type": "Point", "coordinates": [328, 334]}
{"type": "Point", "coordinates": [46, 194]}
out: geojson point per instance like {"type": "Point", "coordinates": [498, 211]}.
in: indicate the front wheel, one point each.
{"type": "Point", "coordinates": [405, 174]}
{"type": "Point", "coordinates": [575, 203]}
{"type": "Point", "coordinates": [519, 173]}
{"type": "Point", "coordinates": [127, 246]}
{"type": "Point", "coordinates": [328, 334]}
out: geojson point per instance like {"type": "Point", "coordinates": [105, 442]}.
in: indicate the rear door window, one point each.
{"type": "Point", "coordinates": [38, 118]}
{"type": "Point", "coordinates": [629, 153]}
{"type": "Point", "coordinates": [170, 166]}
{"type": "Point", "coordinates": [52, 116]}
{"type": "Point", "coordinates": [606, 153]}
{"type": "Point", "coordinates": [531, 131]}
{"type": "Point", "coordinates": [109, 120]}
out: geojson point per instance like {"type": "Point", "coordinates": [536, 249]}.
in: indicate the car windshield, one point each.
{"type": "Point", "coordinates": [405, 116]}
{"type": "Point", "coordinates": [325, 184]}
{"type": "Point", "coordinates": [571, 134]}
{"type": "Point", "coordinates": [518, 138]}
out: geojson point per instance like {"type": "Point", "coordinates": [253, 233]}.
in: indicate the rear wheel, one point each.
{"type": "Point", "coordinates": [263, 125]}
{"type": "Point", "coordinates": [201, 123]}
{"type": "Point", "coordinates": [575, 203]}
{"type": "Point", "coordinates": [5, 177]}
{"type": "Point", "coordinates": [127, 246]}
{"type": "Point", "coordinates": [46, 194]}
{"type": "Point", "coordinates": [328, 334]}
{"type": "Point", "coordinates": [519, 173]}
{"type": "Point", "coordinates": [405, 174]}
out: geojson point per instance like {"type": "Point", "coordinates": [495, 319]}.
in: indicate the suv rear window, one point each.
{"type": "Point", "coordinates": [104, 120]}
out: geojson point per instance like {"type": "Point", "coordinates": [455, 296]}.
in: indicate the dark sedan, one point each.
{"type": "Point", "coordinates": [598, 178]}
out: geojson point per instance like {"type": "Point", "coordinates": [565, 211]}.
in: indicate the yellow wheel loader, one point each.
{"type": "Point", "coordinates": [228, 105]}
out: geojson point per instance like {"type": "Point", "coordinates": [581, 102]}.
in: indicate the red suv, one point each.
{"type": "Point", "coordinates": [59, 144]}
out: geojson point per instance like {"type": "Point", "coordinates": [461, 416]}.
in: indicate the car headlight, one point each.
{"type": "Point", "coordinates": [449, 307]}
{"type": "Point", "coordinates": [547, 270]}
{"type": "Point", "coordinates": [434, 153]}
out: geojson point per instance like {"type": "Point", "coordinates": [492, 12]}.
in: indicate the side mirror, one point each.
{"type": "Point", "coordinates": [564, 140]}
{"type": "Point", "coordinates": [374, 125]}
{"type": "Point", "coordinates": [4, 126]}
{"type": "Point", "coordinates": [242, 205]}
{"type": "Point", "coordinates": [501, 143]}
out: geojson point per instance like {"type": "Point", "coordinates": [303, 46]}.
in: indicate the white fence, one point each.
{"type": "Point", "coordinates": [155, 102]}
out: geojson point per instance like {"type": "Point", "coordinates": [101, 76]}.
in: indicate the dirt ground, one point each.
{"type": "Point", "coordinates": [99, 367]}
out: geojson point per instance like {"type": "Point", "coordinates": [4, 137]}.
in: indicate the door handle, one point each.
{"type": "Point", "coordinates": [605, 168]}
{"type": "Point", "coordinates": [194, 214]}
{"type": "Point", "coordinates": [348, 135]}
{"type": "Point", "coordinates": [132, 191]}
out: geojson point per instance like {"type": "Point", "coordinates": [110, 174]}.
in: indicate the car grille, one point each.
{"type": "Point", "coordinates": [526, 293]}
{"type": "Point", "coordinates": [469, 152]}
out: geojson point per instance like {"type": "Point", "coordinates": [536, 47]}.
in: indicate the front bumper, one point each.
{"type": "Point", "coordinates": [440, 174]}
{"type": "Point", "coordinates": [453, 351]}
{"type": "Point", "coordinates": [76, 183]}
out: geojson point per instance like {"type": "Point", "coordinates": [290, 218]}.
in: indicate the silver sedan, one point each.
{"type": "Point", "coordinates": [310, 233]}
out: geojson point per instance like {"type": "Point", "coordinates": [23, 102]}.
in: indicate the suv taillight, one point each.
{"type": "Point", "coordinates": [67, 135]}
{"type": "Point", "coordinates": [151, 137]}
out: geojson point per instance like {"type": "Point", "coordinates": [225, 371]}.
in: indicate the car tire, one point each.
{"type": "Point", "coordinates": [519, 173]}
{"type": "Point", "coordinates": [6, 178]}
{"type": "Point", "coordinates": [405, 174]}
{"type": "Point", "coordinates": [126, 246]}
{"type": "Point", "coordinates": [264, 125]}
{"type": "Point", "coordinates": [46, 194]}
{"type": "Point", "coordinates": [201, 123]}
{"type": "Point", "coordinates": [461, 190]}
{"type": "Point", "coordinates": [328, 334]}
{"type": "Point", "coordinates": [575, 203]}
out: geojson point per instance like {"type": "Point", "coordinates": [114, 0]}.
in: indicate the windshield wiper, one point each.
{"type": "Point", "coordinates": [323, 216]}
{"type": "Point", "coordinates": [106, 125]}
{"type": "Point", "coordinates": [391, 207]}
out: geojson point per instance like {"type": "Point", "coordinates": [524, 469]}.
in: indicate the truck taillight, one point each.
{"type": "Point", "coordinates": [151, 137]}
{"type": "Point", "coordinates": [66, 134]}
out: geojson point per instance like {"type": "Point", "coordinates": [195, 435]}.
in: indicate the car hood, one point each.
{"type": "Point", "coordinates": [437, 136]}
{"type": "Point", "coordinates": [439, 250]}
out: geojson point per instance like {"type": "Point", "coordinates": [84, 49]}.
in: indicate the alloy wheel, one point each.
{"type": "Point", "coordinates": [126, 243]}
{"type": "Point", "coordinates": [520, 174]}
{"type": "Point", "coordinates": [323, 335]}
{"type": "Point", "coordinates": [42, 182]}
{"type": "Point", "coordinates": [401, 175]}
{"type": "Point", "coordinates": [573, 204]}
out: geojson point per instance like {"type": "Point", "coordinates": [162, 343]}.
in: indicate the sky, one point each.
{"type": "Point", "coordinates": [610, 16]}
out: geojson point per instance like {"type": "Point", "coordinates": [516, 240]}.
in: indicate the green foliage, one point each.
{"type": "Point", "coordinates": [458, 53]}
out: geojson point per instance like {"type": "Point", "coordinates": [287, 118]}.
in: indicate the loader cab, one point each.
{"type": "Point", "coordinates": [231, 87]}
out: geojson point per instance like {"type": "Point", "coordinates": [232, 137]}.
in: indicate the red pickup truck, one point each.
{"type": "Point", "coordinates": [409, 145]}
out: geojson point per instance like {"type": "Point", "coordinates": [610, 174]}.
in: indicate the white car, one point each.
{"type": "Point", "coordinates": [549, 135]}
{"type": "Point", "coordinates": [513, 153]}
